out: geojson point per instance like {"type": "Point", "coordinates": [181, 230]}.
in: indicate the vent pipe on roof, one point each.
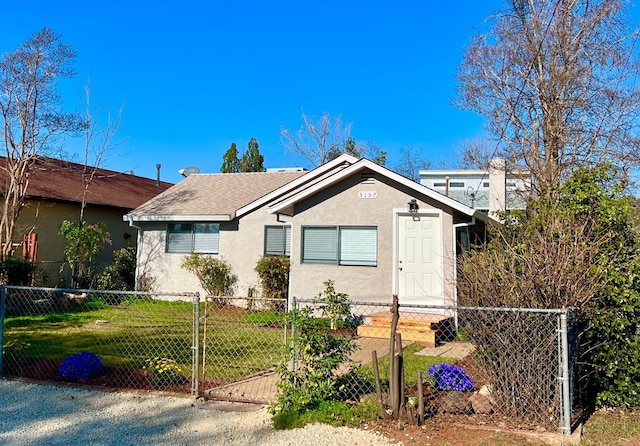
{"type": "Point", "coordinates": [158, 166]}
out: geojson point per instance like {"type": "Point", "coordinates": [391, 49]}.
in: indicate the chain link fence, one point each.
{"type": "Point", "coordinates": [515, 364]}
{"type": "Point", "coordinates": [143, 340]}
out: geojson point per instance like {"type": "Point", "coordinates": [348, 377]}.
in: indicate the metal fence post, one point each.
{"type": "Point", "coordinates": [292, 350]}
{"type": "Point", "coordinates": [195, 357]}
{"type": "Point", "coordinates": [565, 419]}
{"type": "Point", "coordinates": [2, 311]}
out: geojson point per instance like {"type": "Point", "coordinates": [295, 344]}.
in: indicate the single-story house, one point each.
{"type": "Point", "coordinates": [55, 194]}
{"type": "Point", "coordinates": [373, 232]}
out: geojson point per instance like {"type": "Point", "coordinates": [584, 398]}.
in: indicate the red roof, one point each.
{"type": "Point", "coordinates": [57, 180]}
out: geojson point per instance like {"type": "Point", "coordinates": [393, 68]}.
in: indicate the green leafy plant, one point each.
{"type": "Point", "coordinates": [84, 242]}
{"type": "Point", "coordinates": [273, 272]}
{"type": "Point", "coordinates": [164, 371]}
{"type": "Point", "coordinates": [214, 275]}
{"type": "Point", "coordinates": [120, 275]}
{"type": "Point", "coordinates": [336, 306]}
{"type": "Point", "coordinates": [318, 354]}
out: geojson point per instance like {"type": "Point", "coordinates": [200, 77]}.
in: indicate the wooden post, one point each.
{"type": "Point", "coordinates": [402, 405]}
{"type": "Point", "coordinates": [420, 400]}
{"type": "Point", "coordinates": [394, 384]}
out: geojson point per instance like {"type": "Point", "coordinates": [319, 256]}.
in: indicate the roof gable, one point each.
{"type": "Point", "coordinates": [380, 170]}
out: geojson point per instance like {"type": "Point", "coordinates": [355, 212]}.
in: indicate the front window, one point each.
{"type": "Point", "coordinates": [340, 245]}
{"type": "Point", "coordinates": [277, 240]}
{"type": "Point", "coordinates": [193, 237]}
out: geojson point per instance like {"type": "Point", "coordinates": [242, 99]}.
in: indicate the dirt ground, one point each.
{"type": "Point", "coordinates": [606, 427]}
{"type": "Point", "coordinates": [442, 431]}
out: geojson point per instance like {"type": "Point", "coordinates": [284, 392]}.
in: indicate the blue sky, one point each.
{"type": "Point", "coordinates": [196, 76]}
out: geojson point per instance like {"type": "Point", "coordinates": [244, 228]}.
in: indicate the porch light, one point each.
{"type": "Point", "coordinates": [413, 206]}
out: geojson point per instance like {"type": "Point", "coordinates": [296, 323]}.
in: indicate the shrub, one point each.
{"type": "Point", "coordinates": [450, 377]}
{"type": "Point", "coordinates": [121, 274]}
{"type": "Point", "coordinates": [84, 242]}
{"type": "Point", "coordinates": [17, 272]}
{"type": "Point", "coordinates": [334, 305]}
{"type": "Point", "coordinates": [80, 366]}
{"type": "Point", "coordinates": [319, 353]}
{"type": "Point", "coordinates": [215, 275]}
{"type": "Point", "coordinates": [164, 371]}
{"type": "Point", "coordinates": [273, 272]}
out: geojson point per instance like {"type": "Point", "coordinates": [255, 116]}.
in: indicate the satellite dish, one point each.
{"type": "Point", "coordinates": [189, 171]}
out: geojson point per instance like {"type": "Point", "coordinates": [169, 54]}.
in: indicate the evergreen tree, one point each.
{"type": "Point", "coordinates": [251, 160]}
{"type": "Point", "coordinates": [230, 161]}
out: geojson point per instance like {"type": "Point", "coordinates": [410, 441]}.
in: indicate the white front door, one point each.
{"type": "Point", "coordinates": [420, 260]}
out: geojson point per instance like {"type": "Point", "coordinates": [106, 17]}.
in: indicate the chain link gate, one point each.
{"type": "Point", "coordinates": [241, 341]}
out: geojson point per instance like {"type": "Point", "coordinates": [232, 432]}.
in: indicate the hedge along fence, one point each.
{"type": "Point", "coordinates": [143, 340]}
{"type": "Point", "coordinates": [494, 362]}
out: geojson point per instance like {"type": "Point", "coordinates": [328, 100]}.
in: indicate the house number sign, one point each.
{"type": "Point", "coordinates": [367, 194]}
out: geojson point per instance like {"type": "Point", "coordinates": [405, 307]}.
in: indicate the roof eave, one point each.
{"type": "Point", "coordinates": [178, 218]}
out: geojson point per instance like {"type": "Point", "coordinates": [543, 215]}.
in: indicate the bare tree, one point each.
{"type": "Point", "coordinates": [31, 117]}
{"type": "Point", "coordinates": [99, 134]}
{"type": "Point", "coordinates": [475, 153]}
{"type": "Point", "coordinates": [410, 163]}
{"type": "Point", "coordinates": [555, 80]}
{"type": "Point", "coordinates": [317, 140]}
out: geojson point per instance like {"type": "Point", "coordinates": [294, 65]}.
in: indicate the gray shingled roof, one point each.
{"type": "Point", "coordinates": [214, 194]}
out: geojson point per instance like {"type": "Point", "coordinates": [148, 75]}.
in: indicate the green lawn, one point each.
{"type": "Point", "coordinates": [126, 334]}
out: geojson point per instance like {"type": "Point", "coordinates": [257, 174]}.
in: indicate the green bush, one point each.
{"type": "Point", "coordinates": [16, 272]}
{"type": "Point", "coordinates": [273, 272]}
{"type": "Point", "coordinates": [319, 353]}
{"type": "Point", "coordinates": [215, 275]}
{"type": "Point", "coordinates": [336, 306]}
{"type": "Point", "coordinates": [84, 242]}
{"type": "Point", "coordinates": [120, 275]}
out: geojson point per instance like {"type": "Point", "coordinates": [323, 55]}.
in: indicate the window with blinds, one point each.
{"type": "Point", "coordinates": [196, 237]}
{"type": "Point", "coordinates": [341, 245]}
{"type": "Point", "coordinates": [277, 240]}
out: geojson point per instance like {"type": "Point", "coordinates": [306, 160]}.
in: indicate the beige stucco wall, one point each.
{"type": "Point", "coordinates": [44, 219]}
{"type": "Point", "coordinates": [341, 205]}
{"type": "Point", "coordinates": [241, 245]}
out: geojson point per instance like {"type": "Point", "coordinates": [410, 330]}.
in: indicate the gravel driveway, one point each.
{"type": "Point", "coordinates": [35, 414]}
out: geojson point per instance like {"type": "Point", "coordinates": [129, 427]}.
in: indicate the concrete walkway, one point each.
{"type": "Point", "coordinates": [261, 388]}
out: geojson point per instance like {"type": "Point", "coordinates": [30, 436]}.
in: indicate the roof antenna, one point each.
{"type": "Point", "coordinates": [158, 166]}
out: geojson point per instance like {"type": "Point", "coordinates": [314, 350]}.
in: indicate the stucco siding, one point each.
{"type": "Point", "coordinates": [44, 219]}
{"type": "Point", "coordinates": [341, 205]}
{"type": "Point", "coordinates": [241, 245]}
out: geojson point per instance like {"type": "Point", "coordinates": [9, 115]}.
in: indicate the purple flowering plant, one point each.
{"type": "Point", "coordinates": [80, 366]}
{"type": "Point", "coordinates": [451, 377]}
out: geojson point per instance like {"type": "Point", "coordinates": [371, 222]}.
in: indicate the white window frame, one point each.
{"type": "Point", "coordinates": [339, 245]}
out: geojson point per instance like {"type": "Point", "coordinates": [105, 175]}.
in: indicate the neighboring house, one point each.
{"type": "Point", "coordinates": [55, 194]}
{"type": "Point", "coordinates": [372, 231]}
{"type": "Point", "coordinates": [492, 190]}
